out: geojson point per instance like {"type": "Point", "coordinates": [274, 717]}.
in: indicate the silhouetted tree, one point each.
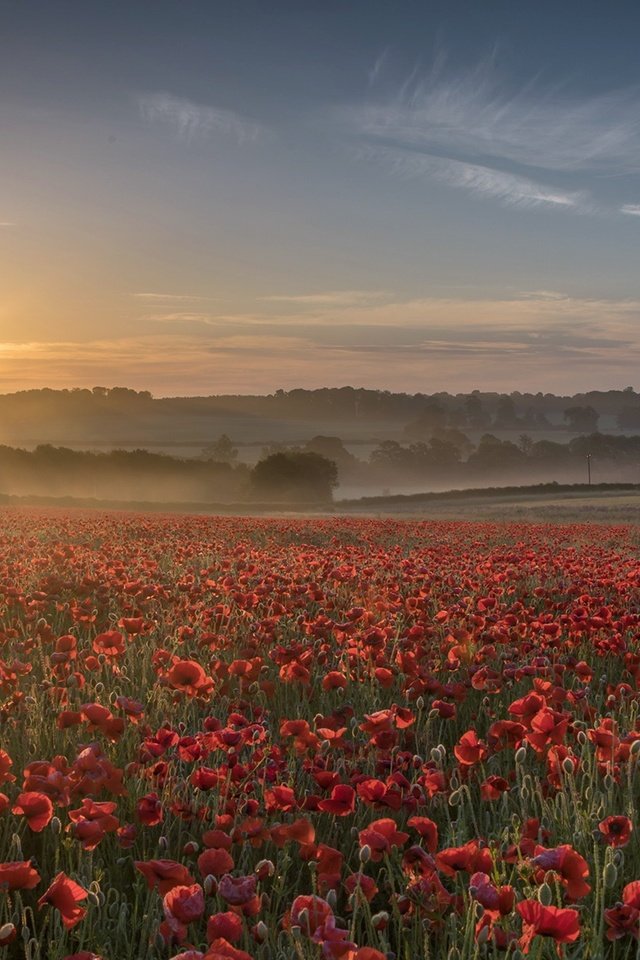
{"type": "Point", "coordinates": [582, 419]}
{"type": "Point", "coordinates": [296, 476]}
{"type": "Point", "coordinates": [221, 450]}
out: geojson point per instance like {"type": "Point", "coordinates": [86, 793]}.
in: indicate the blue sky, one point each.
{"type": "Point", "coordinates": [202, 197]}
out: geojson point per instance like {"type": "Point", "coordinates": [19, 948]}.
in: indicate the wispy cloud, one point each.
{"type": "Point", "coordinates": [509, 188]}
{"type": "Point", "coordinates": [194, 120]}
{"type": "Point", "coordinates": [170, 297]}
{"type": "Point", "coordinates": [527, 147]}
{"type": "Point", "coordinates": [631, 209]}
{"type": "Point", "coordinates": [180, 317]}
{"type": "Point", "coordinates": [561, 345]}
{"type": "Point", "coordinates": [377, 66]}
{"type": "Point", "coordinates": [330, 297]}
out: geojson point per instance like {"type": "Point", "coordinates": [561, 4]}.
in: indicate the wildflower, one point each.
{"type": "Point", "coordinates": [64, 895]}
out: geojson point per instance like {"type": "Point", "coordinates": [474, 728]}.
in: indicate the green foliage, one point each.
{"type": "Point", "coordinates": [295, 476]}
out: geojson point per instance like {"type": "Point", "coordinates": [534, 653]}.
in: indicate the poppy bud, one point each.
{"type": "Point", "coordinates": [420, 703]}
{"type": "Point", "coordinates": [260, 931]}
{"type": "Point", "coordinates": [482, 935]}
{"type": "Point", "coordinates": [55, 825]}
{"type": "Point", "coordinates": [521, 755]}
{"type": "Point", "coordinates": [582, 738]}
{"type": "Point", "coordinates": [264, 869]}
{"type": "Point", "coordinates": [455, 798]}
{"type": "Point", "coordinates": [8, 933]}
{"type": "Point", "coordinates": [568, 766]}
{"type": "Point", "coordinates": [435, 755]}
{"type": "Point", "coordinates": [634, 749]}
{"type": "Point", "coordinates": [163, 843]}
{"type": "Point", "coordinates": [365, 853]}
{"type": "Point", "coordinates": [332, 898]}
{"type": "Point", "coordinates": [545, 895]}
{"type": "Point", "coordinates": [610, 875]}
{"type": "Point", "coordinates": [380, 920]}
{"type": "Point", "coordinates": [210, 885]}
{"type": "Point", "coordinates": [93, 898]}
{"type": "Point", "coordinates": [190, 848]}
{"type": "Point", "coordinates": [99, 687]}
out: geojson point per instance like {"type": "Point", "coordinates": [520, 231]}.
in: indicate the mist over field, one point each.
{"type": "Point", "coordinates": [123, 445]}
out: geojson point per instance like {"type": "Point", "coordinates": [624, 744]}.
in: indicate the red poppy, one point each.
{"type": "Point", "coordinates": [427, 829]}
{"type": "Point", "coordinates": [36, 807]}
{"type": "Point", "coordinates": [64, 895]}
{"type": "Point", "coordinates": [571, 868]}
{"type": "Point", "coordinates": [184, 904]}
{"type": "Point", "coordinates": [562, 924]}
{"type": "Point", "coordinates": [221, 949]}
{"type": "Point", "coordinates": [149, 810]}
{"type": "Point", "coordinates": [18, 875]}
{"type": "Point", "coordinates": [469, 750]}
{"type": "Point", "coordinates": [472, 857]}
{"type": "Point", "coordinates": [616, 831]}
{"type": "Point", "coordinates": [215, 863]}
{"type": "Point", "coordinates": [341, 803]}
{"type": "Point", "coordinates": [226, 925]}
{"type": "Point", "coordinates": [380, 836]}
{"type": "Point", "coordinates": [163, 874]}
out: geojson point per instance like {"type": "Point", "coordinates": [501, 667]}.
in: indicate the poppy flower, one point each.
{"type": "Point", "coordinates": [221, 949]}
{"type": "Point", "coordinates": [18, 875]}
{"type": "Point", "coordinates": [184, 904]}
{"type": "Point", "coordinates": [215, 863]}
{"type": "Point", "coordinates": [493, 787]}
{"type": "Point", "coordinates": [571, 868]}
{"type": "Point", "coordinates": [111, 644]}
{"type": "Point", "coordinates": [469, 750]}
{"type": "Point", "coordinates": [5, 766]}
{"type": "Point", "coordinates": [149, 810]}
{"type": "Point", "coordinates": [310, 913]}
{"type": "Point", "coordinates": [562, 924]}
{"type": "Point", "coordinates": [240, 893]}
{"type": "Point", "coordinates": [224, 925]}
{"type": "Point", "coordinates": [36, 807]}
{"type": "Point", "coordinates": [616, 831]}
{"type": "Point", "coordinates": [472, 857]}
{"type": "Point", "coordinates": [342, 801]}
{"type": "Point", "coordinates": [189, 677]}
{"type": "Point", "coordinates": [163, 874]}
{"type": "Point", "coordinates": [380, 836]}
{"type": "Point", "coordinates": [64, 895]}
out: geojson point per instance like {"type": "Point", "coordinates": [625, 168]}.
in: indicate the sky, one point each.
{"type": "Point", "coordinates": [203, 196]}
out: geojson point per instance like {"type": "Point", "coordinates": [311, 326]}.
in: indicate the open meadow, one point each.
{"type": "Point", "coordinates": [317, 738]}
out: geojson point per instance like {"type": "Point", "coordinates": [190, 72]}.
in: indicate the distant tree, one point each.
{"type": "Point", "coordinates": [495, 454]}
{"type": "Point", "coordinates": [506, 416]}
{"type": "Point", "coordinates": [432, 417]}
{"type": "Point", "coordinates": [477, 417]}
{"type": "Point", "coordinates": [629, 418]}
{"type": "Point", "coordinates": [333, 449]}
{"type": "Point", "coordinates": [582, 419]}
{"type": "Point", "coordinates": [294, 476]}
{"type": "Point", "coordinates": [455, 436]}
{"type": "Point", "coordinates": [221, 450]}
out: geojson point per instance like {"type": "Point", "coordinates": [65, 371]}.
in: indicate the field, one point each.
{"type": "Point", "coordinates": [318, 738]}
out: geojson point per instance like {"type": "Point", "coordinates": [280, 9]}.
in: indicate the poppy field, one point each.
{"type": "Point", "coordinates": [332, 739]}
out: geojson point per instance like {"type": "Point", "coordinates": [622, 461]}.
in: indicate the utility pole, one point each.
{"type": "Point", "coordinates": [589, 469]}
